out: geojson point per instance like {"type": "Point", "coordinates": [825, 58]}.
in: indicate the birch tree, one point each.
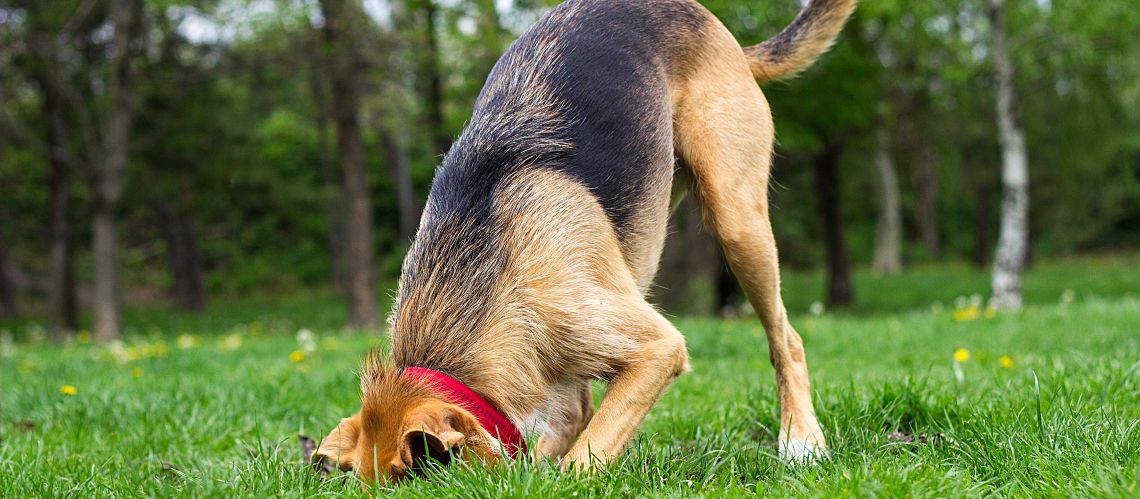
{"type": "Point", "coordinates": [1013, 237]}
{"type": "Point", "coordinates": [888, 231]}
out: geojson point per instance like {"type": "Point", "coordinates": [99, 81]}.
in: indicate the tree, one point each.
{"type": "Point", "coordinates": [888, 231]}
{"type": "Point", "coordinates": [825, 169]}
{"type": "Point", "coordinates": [334, 202]}
{"type": "Point", "coordinates": [396, 158]}
{"type": "Point", "coordinates": [341, 32]}
{"type": "Point", "coordinates": [43, 36]}
{"type": "Point", "coordinates": [8, 306]}
{"type": "Point", "coordinates": [1014, 235]}
{"type": "Point", "coordinates": [487, 19]}
{"type": "Point", "coordinates": [429, 75]}
{"type": "Point", "coordinates": [106, 301]}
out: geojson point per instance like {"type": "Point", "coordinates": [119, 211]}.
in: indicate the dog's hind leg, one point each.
{"type": "Point", "coordinates": [724, 136]}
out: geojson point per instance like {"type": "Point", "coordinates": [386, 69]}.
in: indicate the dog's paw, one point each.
{"type": "Point", "coordinates": [801, 452]}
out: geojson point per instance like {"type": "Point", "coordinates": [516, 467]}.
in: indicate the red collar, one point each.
{"type": "Point", "coordinates": [458, 393]}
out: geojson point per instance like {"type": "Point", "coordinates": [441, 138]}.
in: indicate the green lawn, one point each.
{"type": "Point", "coordinates": [211, 405]}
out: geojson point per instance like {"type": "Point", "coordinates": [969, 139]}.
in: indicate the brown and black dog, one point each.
{"type": "Point", "coordinates": [542, 232]}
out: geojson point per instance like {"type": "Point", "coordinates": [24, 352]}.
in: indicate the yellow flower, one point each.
{"type": "Point", "coordinates": [966, 314]}
{"type": "Point", "coordinates": [961, 355]}
{"type": "Point", "coordinates": [990, 313]}
{"type": "Point", "coordinates": [1006, 361]}
{"type": "Point", "coordinates": [67, 390]}
{"type": "Point", "coordinates": [297, 356]}
{"type": "Point", "coordinates": [136, 373]}
{"type": "Point", "coordinates": [231, 342]}
{"type": "Point", "coordinates": [188, 341]}
{"type": "Point", "coordinates": [83, 336]}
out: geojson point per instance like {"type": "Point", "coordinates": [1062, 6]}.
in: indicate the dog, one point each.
{"type": "Point", "coordinates": [542, 231]}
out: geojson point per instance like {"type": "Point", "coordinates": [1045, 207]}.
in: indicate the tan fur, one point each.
{"type": "Point", "coordinates": [801, 43]}
{"type": "Point", "coordinates": [554, 299]}
{"type": "Point", "coordinates": [401, 422]}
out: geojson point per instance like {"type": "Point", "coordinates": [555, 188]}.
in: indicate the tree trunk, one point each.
{"type": "Point", "coordinates": [826, 166]}
{"type": "Point", "coordinates": [888, 235]}
{"type": "Point", "coordinates": [8, 307]}
{"type": "Point", "coordinates": [688, 265]}
{"type": "Point", "coordinates": [429, 73]}
{"type": "Point", "coordinates": [187, 290]}
{"type": "Point", "coordinates": [396, 159]}
{"type": "Point", "coordinates": [106, 300]}
{"type": "Point", "coordinates": [983, 214]}
{"type": "Point", "coordinates": [1013, 237]}
{"type": "Point", "coordinates": [488, 21]}
{"type": "Point", "coordinates": [334, 204]}
{"type": "Point", "coordinates": [341, 37]}
{"type": "Point", "coordinates": [927, 207]}
{"type": "Point", "coordinates": [61, 311]}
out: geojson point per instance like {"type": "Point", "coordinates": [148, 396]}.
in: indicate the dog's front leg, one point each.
{"type": "Point", "coordinates": [570, 413]}
{"type": "Point", "coordinates": [636, 388]}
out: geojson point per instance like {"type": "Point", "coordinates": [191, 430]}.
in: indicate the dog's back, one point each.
{"type": "Point", "coordinates": [585, 92]}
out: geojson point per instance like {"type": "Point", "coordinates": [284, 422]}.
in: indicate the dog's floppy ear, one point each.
{"type": "Point", "coordinates": [417, 447]}
{"type": "Point", "coordinates": [439, 433]}
{"type": "Point", "coordinates": [339, 447]}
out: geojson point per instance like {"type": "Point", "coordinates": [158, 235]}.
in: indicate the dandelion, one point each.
{"type": "Point", "coordinates": [961, 355]}
{"type": "Point", "coordinates": [188, 341]}
{"type": "Point", "coordinates": [83, 336]}
{"type": "Point", "coordinates": [136, 373]}
{"type": "Point", "coordinates": [1006, 361]}
{"type": "Point", "coordinates": [966, 314]}
{"type": "Point", "coordinates": [67, 390]}
{"type": "Point", "coordinates": [297, 356]}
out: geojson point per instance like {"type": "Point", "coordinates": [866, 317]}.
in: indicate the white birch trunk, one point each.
{"type": "Point", "coordinates": [888, 236]}
{"type": "Point", "coordinates": [1013, 238]}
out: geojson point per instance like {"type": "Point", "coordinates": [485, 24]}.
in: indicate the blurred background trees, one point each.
{"type": "Point", "coordinates": [185, 151]}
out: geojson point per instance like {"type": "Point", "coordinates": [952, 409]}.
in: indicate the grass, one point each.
{"type": "Point", "coordinates": [211, 405]}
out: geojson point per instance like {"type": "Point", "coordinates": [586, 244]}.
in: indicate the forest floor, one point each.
{"type": "Point", "coordinates": [919, 392]}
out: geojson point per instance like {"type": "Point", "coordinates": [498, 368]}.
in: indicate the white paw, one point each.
{"type": "Point", "coordinates": [800, 452]}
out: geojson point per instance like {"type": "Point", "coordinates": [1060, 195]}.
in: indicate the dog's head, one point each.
{"type": "Point", "coordinates": [401, 427]}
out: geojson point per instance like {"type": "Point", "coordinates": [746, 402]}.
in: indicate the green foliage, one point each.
{"type": "Point", "coordinates": [226, 126]}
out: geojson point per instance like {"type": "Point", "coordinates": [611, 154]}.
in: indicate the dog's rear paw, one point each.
{"type": "Point", "coordinates": [801, 452]}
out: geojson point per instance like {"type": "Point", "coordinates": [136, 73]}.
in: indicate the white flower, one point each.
{"type": "Point", "coordinates": [816, 308]}
{"type": "Point", "coordinates": [961, 302]}
{"type": "Point", "coordinates": [305, 336]}
{"type": "Point", "coordinates": [976, 300]}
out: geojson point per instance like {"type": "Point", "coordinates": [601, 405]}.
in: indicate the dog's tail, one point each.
{"type": "Point", "coordinates": [794, 49]}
